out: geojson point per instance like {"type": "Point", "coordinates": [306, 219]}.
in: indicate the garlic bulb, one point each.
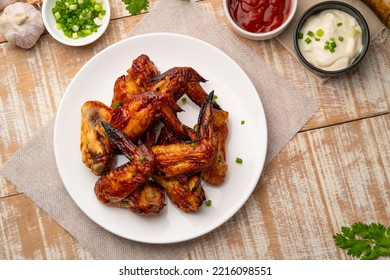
{"type": "Point", "coordinates": [21, 24]}
{"type": "Point", "coordinates": [5, 3]}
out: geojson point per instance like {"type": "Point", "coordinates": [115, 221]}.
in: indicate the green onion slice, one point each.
{"type": "Point", "coordinates": [320, 32]}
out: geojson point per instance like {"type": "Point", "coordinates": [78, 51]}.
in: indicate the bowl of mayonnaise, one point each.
{"type": "Point", "coordinates": [331, 38]}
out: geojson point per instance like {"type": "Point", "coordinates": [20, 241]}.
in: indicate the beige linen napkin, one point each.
{"type": "Point", "coordinates": [33, 170]}
{"type": "Point", "coordinates": [374, 24]}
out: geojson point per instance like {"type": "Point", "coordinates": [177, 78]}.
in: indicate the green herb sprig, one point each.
{"type": "Point", "coordinates": [364, 241]}
{"type": "Point", "coordinates": [135, 7]}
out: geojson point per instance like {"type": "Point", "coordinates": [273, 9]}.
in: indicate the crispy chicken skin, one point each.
{"type": "Point", "coordinates": [119, 183]}
{"type": "Point", "coordinates": [181, 158]}
{"type": "Point", "coordinates": [141, 111]}
{"type": "Point", "coordinates": [95, 148]}
{"type": "Point", "coordinates": [178, 78]}
{"type": "Point", "coordinates": [215, 173]}
{"type": "Point", "coordinates": [136, 81]}
{"type": "Point", "coordinates": [142, 70]}
{"type": "Point", "coordinates": [134, 117]}
{"type": "Point", "coordinates": [186, 191]}
{"type": "Point", "coordinates": [148, 199]}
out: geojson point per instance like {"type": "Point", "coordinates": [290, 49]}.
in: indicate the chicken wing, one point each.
{"type": "Point", "coordinates": [186, 192]}
{"type": "Point", "coordinates": [178, 78]}
{"type": "Point", "coordinates": [135, 82]}
{"type": "Point", "coordinates": [120, 182]}
{"type": "Point", "coordinates": [148, 199]}
{"type": "Point", "coordinates": [142, 70]}
{"type": "Point", "coordinates": [215, 173]}
{"type": "Point", "coordinates": [181, 158]}
{"type": "Point", "coordinates": [96, 149]}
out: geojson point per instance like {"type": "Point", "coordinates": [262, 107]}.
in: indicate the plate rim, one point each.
{"type": "Point", "coordinates": [259, 169]}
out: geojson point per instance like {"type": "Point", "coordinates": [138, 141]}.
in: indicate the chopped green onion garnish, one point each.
{"type": "Point", "coordinates": [341, 38]}
{"type": "Point", "coordinates": [193, 144]}
{"type": "Point", "coordinates": [243, 122]}
{"type": "Point", "coordinates": [317, 39]}
{"type": "Point", "coordinates": [300, 35]}
{"type": "Point", "coordinates": [57, 15]}
{"type": "Point", "coordinates": [355, 32]}
{"type": "Point", "coordinates": [208, 203]}
{"type": "Point", "coordinates": [331, 39]}
{"type": "Point", "coordinates": [320, 32]}
{"type": "Point", "coordinates": [116, 103]}
{"type": "Point", "coordinates": [78, 18]}
{"type": "Point", "coordinates": [339, 24]}
{"type": "Point", "coordinates": [98, 7]}
{"type": "Point", "coordinates": [333, 45]}
{"type": "Point", "coordinates": [141, 159]}
{"type": "Point", "coordinates": [215, 97]}
{"type": "Point", "coordinates": [239, 160]}
{"type": "Point", "coordinates": [184, 99]}
{"type": "Point", "coordinates": [310, 33]}
{"type": "Point", "coordinates": [186, 187]}
{"type": "Point", "coordinates": [308, 40]}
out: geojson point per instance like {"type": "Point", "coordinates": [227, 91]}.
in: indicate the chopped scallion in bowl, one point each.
{"type": "Point", "coordinates": [76, 22]}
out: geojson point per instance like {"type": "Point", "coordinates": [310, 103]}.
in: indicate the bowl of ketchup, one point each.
{"type": "Point", "coordinates": [259, 19]}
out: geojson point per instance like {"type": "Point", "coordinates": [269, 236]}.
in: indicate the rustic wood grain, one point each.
{"type": "Point", "coordinates": [336, 170]}
{"type": "Point", "coordinates": [324, 179]}
{"type": "Point", "coordinates": [29, 233]}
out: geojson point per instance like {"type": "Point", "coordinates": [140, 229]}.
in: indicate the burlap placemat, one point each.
{"type": "Point", "coordinates": [32, 170]}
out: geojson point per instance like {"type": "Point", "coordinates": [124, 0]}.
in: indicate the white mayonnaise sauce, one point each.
{"type": "Point", "coordinates": [331, 26]}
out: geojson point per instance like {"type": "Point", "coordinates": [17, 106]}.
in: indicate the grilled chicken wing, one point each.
{"type": "Point", "coordinates": [135, 82]}
{"type": "Point", "coordinates": [178, 78]}
{"type": "Point", "coordinates": [142, 70]}
{"type": "Point", "coordinates": [184, 191]}
{"type": "Point", "coordinates": [181, 158]}
{"type": "Point", "coordinates": [119, 183]}
{"type": "Point", "coordinates": [141, 111]}
{"type": "Point", "coordinates": [96, 150]}
{"type": "Point", "coordinates": [183, 80]}
{"type": "Point", "coordinates": [215, 173]}
{"type": "Point", "coordinates": [148, 199]}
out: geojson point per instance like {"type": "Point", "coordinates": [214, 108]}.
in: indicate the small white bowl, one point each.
{"type": "Point", "coordinates": [50, 24]}
{"type": "Point", "coordinates": [259, 36]}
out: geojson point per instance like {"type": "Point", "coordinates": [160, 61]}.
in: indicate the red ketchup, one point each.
{"type": "Point", "coordinates": [259, 16]}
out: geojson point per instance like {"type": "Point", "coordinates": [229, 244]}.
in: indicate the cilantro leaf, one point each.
{"type": "Point", "coordinates": [364, 241]}
{"type": "Point", "coordinates": [135, 7]}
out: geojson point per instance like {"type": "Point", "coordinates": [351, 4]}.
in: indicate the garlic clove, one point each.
{"type": "Point", "coordinates": [21, 24]}
{"type": "Point", "coordinates": [5, 3]}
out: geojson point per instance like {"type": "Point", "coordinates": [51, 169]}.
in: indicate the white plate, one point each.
{"type": "Point", "coordinates": [236, 94]}
{"type": "Point", "coordinates": [50, 24]}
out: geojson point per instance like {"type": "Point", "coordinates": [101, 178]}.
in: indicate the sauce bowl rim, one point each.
{"type": "Point", "coordinates": [292, 12]}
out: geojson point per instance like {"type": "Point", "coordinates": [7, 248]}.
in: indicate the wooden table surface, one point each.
{"type": "Point", "coordinates": [339, 162]}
